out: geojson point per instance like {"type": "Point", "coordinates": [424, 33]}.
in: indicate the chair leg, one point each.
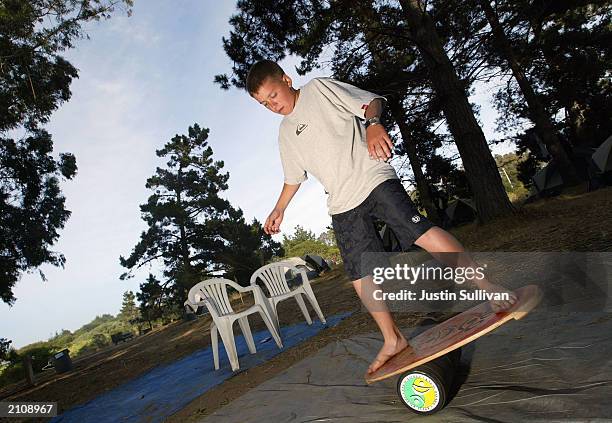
{"type": "Point", "coordinates": [269, 307]}
{"type": "Point", "coordinates": [246, 332]}
{"type": "Point", "coordinates": [227, 335]}
{"type": "Point", "coordinates": [302, 304]}
{"type": "Point", "coordinates": [313, 301]}
{"type": "Point", "coordinates": [274, 315]}
{"type": "Point", "coordinates": [275, 334]}
{"type": "Point", "coordinates": [214, 340]}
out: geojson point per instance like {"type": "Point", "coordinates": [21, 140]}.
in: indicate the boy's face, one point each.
{"type": "Point", "coordinates": [277, 95]}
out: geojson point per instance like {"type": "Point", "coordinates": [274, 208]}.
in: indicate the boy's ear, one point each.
{"type": "Point", "coordinates": [287, 79]}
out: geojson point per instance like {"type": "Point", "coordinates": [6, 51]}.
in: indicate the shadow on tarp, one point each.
{"type": "Point", "coordinates": [169, 388]}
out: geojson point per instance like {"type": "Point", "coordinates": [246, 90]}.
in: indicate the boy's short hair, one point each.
{"type": "Point", "coordinates": [261, 71]}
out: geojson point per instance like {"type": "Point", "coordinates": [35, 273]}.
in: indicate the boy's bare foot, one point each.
{"type": "Point", "coordinates": [499, 305]}
{"type": "Point", "coordinates": [388, 350]}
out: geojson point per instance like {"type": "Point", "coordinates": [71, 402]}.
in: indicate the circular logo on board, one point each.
{"type": "Point", "coordinates": [416, 218]}
{"type": "Point", "coordinates": [420, 392]}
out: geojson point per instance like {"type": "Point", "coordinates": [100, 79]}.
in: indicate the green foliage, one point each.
{"type": "Point", "coordinates": [129, 311]}
{"type": "Point", "coordinates": [562, 52]}
{"type": "Point", "coordinates": [509, 167]}
{"type": "Point", "coordinates": [299, 235]}
{"type": "Point", "coordinates": [183, 214]}
{"type": "Point", "coordinates": [396, 49]}
{"type": "Point", "coordinates": [194, 231]}
{"type": "Point", "coordinates": [34, 81]}
{"type": "Point", "coordinates": [32, 208]}
{"type": "Point", "coordinates": [98, 337]}
{"type": "Point", "coordinates": [152, 296]}
{"type": "Point", "coordinates": [304, 242]}
{"type": "Point", "coordinates": [11, 374]}
{"type": "Point", "coordinates": [89, 338]}
{"type": "Point", "coordinates": [446, 178]}
{"type": "Point", "coordinates": [5, 346]}
{"type": "Point", "coordinates": [328, 237]}
{"type": "Point", "coordinates": [96, 342]}
{"type": "Point", "coordinates": [65, 337]}
{"type": "Point", "coordinates": [564, 49]}
{"type": "Point", "coordinates": [310, 247]}
{"type": "Point", "coordinates": [246, 248]}
{"type": "Point", "coordinates": [97, 321]}
{"type": "Point", "coordinates": [40, 352]}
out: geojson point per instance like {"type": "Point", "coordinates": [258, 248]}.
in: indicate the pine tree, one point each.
{"type": "Point", "coordinates": [192, 231]}
{"type": "Point", "coordinates": [129, 311]}
{"type": "Point", "coordinates": [34, 81]}
{"type": "Point", "coordinates": [266, 29]}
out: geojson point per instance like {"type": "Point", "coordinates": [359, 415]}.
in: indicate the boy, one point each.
{"type": "Point", "coordinates": [322, 133]}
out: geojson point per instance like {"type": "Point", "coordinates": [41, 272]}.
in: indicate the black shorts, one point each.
{"type": "Point", "coordinates": [355, 231]}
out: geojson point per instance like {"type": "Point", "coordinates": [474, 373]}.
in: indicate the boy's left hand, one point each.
{"type": "Point", "coordinates": [379, 143]}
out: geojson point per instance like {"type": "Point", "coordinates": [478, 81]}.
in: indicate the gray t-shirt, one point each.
{"type": "Point", "coordinates": [325, 136]}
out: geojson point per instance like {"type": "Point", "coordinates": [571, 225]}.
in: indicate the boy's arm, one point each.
{"type": "Point", "coordinates": [353, 100]}
{"type": "Point", "coordinates": [272, 225]}
{"type": "Point", "coordinates": [378, 140]}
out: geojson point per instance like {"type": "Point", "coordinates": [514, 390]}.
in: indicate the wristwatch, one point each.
{"type": "Point", "coordinates": [374, 120]}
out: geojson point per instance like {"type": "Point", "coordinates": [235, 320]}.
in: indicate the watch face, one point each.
{"type": "Point", "coordinates": [372, 121]}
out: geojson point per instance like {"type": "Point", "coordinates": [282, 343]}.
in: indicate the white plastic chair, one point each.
{"type": "Point", "coordinates": [213, 294]}
{"type": "Point", "coordinates": [187, 305]}
{"type": "Point", "coordinates": [273, 276]}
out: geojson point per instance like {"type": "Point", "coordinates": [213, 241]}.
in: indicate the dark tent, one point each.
{"type": "Point", "coordinates": [548, 179]}
{"type": "Point", "coordinates": [460, 211]}
{"type": "Point", "coordinates": [294, 278]}
{"type": "Point", "coordinates": [300, 263]}
{"type": "Point", "coordinates": [317, 262]}
{"type": "Point", "coordinates": [603, 156]}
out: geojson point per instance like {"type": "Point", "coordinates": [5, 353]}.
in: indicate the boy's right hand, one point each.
{"type": "Point", "coordinates": [272, 225]}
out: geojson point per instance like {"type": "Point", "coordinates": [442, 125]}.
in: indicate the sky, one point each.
{"type": "Point", "coordinates": [143, 80]}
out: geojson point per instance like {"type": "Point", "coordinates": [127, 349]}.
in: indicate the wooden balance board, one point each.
{"type": "Point", "coordinates": [456, 332]}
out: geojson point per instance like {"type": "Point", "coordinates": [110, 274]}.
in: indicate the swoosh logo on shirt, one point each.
{"type": "Point", "coordinates": [300, 128]}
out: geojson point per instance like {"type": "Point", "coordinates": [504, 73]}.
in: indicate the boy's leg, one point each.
{"type": "Point", "coordinates": [393, 205]}
{"type": "Point", "coordinates": [394, 341]}
{"type": "Point", "coordinates": [356, 234]}
{"type": "Point", "coordinates": [437, 240]}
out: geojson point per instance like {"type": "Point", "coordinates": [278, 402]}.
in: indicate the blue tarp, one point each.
{"type": "Point", "coordinates": [167, 389]}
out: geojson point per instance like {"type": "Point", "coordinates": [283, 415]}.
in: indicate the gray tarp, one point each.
{"type": "Point", "coordinates": [550, 366]}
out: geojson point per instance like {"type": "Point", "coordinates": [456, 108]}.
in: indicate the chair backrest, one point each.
{"type": "Point", "coordinates": [215, 290]}
{"type": "Point", "coordinates": [273, 276]}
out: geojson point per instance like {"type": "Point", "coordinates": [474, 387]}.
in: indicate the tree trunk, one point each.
{"type": "Point", "coordinates": [369, 15]}
{"type": "Point", "coordinates": [481, 171]}
{"type": "Point", "coordinates": [573, 109]}
{"type": "Point", "coordinates": [187, 280]}
{"type": "Point", "coordinates": [397, 109]}
{"type": "Point", "coordinates": [543, 124]}
{"type": "Point", "coordinates": [29, 372]}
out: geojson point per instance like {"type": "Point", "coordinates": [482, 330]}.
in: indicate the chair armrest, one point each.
{"type": "Point", "coordinates": [212, 309]}
{"type": "Point", "coordinates": [257, 292]}
{"type": "Point", "coordinates": [191, 306]}
{"type": "Point", "coordinates": [301, 272]}
{"type": "Point", "coordinates": [240, 288]}
{"type": "Point", "coordinates": [305, 279]}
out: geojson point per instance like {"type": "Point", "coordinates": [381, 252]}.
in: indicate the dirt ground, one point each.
{"type": "Point", "coordinates": [571, 222]}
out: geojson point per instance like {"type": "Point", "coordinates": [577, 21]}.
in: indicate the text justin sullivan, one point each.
{"type": "Point", "coordinates": [465, 295]}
